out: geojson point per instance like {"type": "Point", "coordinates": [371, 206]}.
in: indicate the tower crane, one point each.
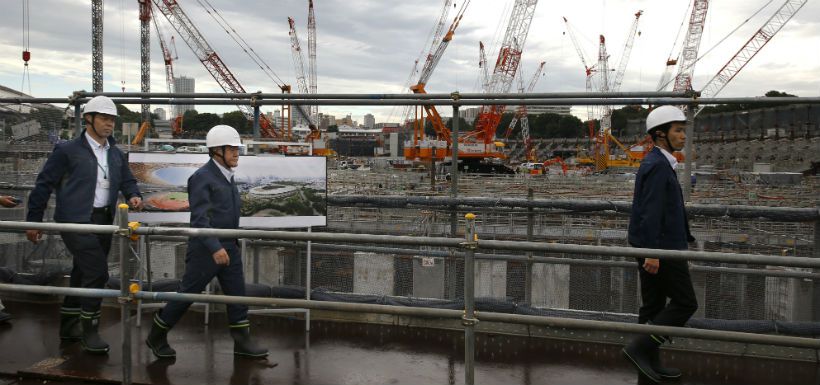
{"type": "Point", "coordinates": [506, 65]}
{"type": "Point", "coordinates": [212, 62]}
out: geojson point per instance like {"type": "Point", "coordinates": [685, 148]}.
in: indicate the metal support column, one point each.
{"type": "Point", "coordinates": [816, 284]}
{"type": "Point", "coordinates": [454, 166]}
{"type": "Point", "coordinates": [78, 118]}
{"type": "Point", "coordinates": [468, 320]}
{"type": "Point", "coordinates": [688, 153]}
{"type": "Point", "coordinates": [528, 268]}
{"type": "Point", "coordinates": [125, 300]}
{"type": "Point", "coordinates": [256, 134]}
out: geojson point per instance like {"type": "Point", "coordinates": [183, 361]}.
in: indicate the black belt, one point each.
{"type": "Point", "coordinates": [101, 210]}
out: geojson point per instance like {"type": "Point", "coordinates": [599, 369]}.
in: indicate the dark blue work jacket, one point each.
{"type": "Point", "coordinates": [214, 204]}
{"type": "Point", "coordinates": [658, 218]}
{"type": "Point", "coordinates": [71, 171]}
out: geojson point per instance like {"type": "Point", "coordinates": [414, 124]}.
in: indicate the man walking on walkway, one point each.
{"type": "Point", "coordinates": [87, 173]}
{"type": "Point", "coordinates": [659, 221]}
{"type": "Point", "coordinates": [214, 201]}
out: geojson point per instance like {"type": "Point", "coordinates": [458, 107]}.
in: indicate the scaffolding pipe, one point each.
{"type": "Point", "coordinates": [615, 251]}
{"type": "Point", "coordinates": [570, 323]}
{"type": "Point", "coordinates": [125, 305]}
{"type": "Point", "coordinates": [468, 320]}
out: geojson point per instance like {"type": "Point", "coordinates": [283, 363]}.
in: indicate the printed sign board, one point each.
{"type": "Point", "coordinates": [276, 191]}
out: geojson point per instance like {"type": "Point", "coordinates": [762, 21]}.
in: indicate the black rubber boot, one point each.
{"type": "Point", "coordinates": [665, 373]}
{"type": "Point", "coordinates": [70, 327]}
{"type": "Point", "coordinates": [242, 344]}
{"type": "Point", "coordinates": [91, 340]}
{"type": "Point", "coordinates": [158, 339]}
{"type": "Point", "coordinates": [4, 317]}
{"type": "Point", "coordinates": [640, 352]}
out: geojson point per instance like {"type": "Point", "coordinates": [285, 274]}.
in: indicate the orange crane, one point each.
{"type": "Point", "coordinates": [434, 40]}
{"type": "Point", "coordinates": [480, 143]}
{"type": "Point", "coordinates": [420, 147]}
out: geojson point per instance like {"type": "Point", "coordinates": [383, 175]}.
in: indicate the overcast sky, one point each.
{"type": "Point", "coordinates": [368, 46]}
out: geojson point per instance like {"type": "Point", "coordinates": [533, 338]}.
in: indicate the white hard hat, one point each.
{"type": "Point", "coordinates": [100, 104]}
{"type": "Point", "coordinates": [222, 135]}
{"type": "Point", "coordinates": [663, 115]}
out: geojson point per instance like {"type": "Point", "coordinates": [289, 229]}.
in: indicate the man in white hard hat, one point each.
{"type": "Point", "coordinates": [659, 221]}
{"type": "Point", "coordinates": [215, 203]}
{"type": "Point", "coordinates": [87, 174]}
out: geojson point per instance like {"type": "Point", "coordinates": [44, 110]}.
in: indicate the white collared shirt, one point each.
{"type": "Point", "coordinates": [101, 191]}
{"type": "Point", "coordinates": [228, 173]}
{"type": "Point", "coordinates": [672, 160]}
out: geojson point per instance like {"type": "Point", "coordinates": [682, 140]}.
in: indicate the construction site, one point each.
{"type": "Point", "coordinates": [469, 251]}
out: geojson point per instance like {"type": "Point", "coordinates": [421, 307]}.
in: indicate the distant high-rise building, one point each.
{"type": "Point", "coordinates": [160, 113]}
{"type": "Point", "coordinates": [184, 84]}
{"type": "Point", "coordinates": [542, 109]}
{"type": "Point", "coordinates": [346, 121]}
{"type": "Point", "coordinates": [369, 121]}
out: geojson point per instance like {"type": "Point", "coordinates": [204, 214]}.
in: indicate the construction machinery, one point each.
{"type": "Point", "coordinates": [601, 157]}
{"type": "Point", "coordinates": [480, 143]}
{"type": "Point", "coordinates": [420, 147]}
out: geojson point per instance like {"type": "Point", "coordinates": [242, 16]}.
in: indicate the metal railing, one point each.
{"type": "Point", "coordinates": [129, 294]}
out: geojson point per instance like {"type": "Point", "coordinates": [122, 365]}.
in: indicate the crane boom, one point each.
{"type": "Point", "coordinates": [770, 28]}
{"type": "Point", "coordinates": [211, 60]}
{"type": "Point", "coordinates": [506, 65]}
{"type": "Point", "coordinates": [482, 63]}
{"type": "Point", "coordinates": [691, 43]}
{"type": "Point", "coordinates": [630, 40]}
{"type": "Point", "coordinates": [166, 56]}
{"type": "Point", "coordinates": [433, 59]}
{"type": "Point", "coordinates": [298, 60]}
{"type": "Point", "coordinates": [429, 66]}
{"type": "Point", "coordinates": [314, 109]}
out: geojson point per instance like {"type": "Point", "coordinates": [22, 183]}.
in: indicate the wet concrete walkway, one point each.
{"type": "Point", "coordinates": [344, 353]}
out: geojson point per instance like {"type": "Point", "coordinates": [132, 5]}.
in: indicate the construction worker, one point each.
{"type": "Point", "coordinates": [214, 202]}
{"type": "Point", "coordinates": [6, 201]}
{"type": "Point", "coordinates": [87, 173]}
{"type": "Point", "coordinates": [659, 221]}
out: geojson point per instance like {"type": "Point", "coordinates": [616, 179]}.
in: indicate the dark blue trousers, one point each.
{"type": "Point", "coordinates": [200, 269]}
{"type": "Point", "coordinates": [672, 282]}
{"type": "Point", "coordinates": [90, 263]}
